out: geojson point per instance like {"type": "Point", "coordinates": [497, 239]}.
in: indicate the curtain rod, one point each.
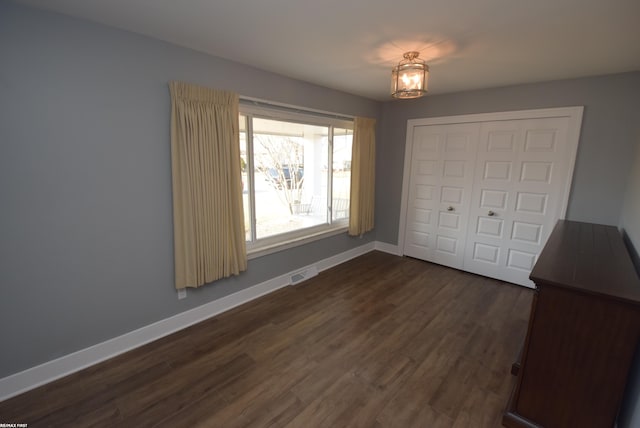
{"type": "Point", "coordinates": [293, 108]}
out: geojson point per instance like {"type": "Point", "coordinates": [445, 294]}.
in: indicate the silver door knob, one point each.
{"type": "Point", "coordinates": [451, 209]}
{"type": "Point", "coordinates": [491, 213]}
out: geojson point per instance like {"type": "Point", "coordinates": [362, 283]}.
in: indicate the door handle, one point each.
{"type": "Point", "coordinates": [451, 208]}
{"type": "Point", "coordinates": [491, 213]}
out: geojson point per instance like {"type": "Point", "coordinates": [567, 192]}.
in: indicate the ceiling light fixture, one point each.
{"type": "Point", "coordinates": [409, 78]}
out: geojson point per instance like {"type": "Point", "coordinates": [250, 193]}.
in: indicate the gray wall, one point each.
{"type": "Point", "coordinates": [86, 251]}
{"type": "Point", "coordinates": [630, 217]}
{"type": "Point", "coordinates": [605, 151]}
{"type": "Point", "coordinates": [630, 225]}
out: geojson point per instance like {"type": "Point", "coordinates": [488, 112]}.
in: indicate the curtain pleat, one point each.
{"type": "Point", "coordinates": [363, 165]}
{"type": "Point", "coordinates": [208, 220]}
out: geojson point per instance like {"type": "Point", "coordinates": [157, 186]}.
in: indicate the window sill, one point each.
{"type": "Point", "coordinates": [258, 250]}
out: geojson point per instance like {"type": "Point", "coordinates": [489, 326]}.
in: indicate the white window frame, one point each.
{"type": "Point", "coordinates": [272, 244]}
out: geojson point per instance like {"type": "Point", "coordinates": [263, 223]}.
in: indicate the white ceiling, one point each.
{"type": "Point", "coordinates": [351, 45]}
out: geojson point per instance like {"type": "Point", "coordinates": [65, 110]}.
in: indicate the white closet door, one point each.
{"type": "Point", "coordinates": [520, 180]}
{"type": "Point", "coordinates": [441, 178]}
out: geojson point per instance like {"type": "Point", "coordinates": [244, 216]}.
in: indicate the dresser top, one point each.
{"type": "Point", "coordinates": [588, 257]}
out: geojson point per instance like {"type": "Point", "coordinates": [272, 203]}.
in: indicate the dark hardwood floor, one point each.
{"type": "Point", "coordinates": [379, 341]}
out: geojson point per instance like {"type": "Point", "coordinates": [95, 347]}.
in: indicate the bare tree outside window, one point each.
{"type": "Point", "coordinates": [281, 161]}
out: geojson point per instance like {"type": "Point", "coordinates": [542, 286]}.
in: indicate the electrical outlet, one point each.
{"type": "Point", "coordinates": [182, 293]}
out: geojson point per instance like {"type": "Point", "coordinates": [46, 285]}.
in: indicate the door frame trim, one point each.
{"type": "Point", "coordinates": [573, 136]}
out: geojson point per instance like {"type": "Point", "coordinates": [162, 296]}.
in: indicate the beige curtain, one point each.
{"type": "Point", "coordinates": [363, 165]}
{"type": "Point", "coordinates": [208, 221]}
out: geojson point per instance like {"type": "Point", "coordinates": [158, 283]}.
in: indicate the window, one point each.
{"type": "Point", "coordinates": [296, 175]}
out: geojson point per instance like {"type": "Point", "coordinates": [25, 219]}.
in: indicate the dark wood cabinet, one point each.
{"type": "Point", "coordinates": [583, 331]}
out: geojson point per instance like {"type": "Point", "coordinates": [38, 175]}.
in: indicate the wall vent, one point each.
{"type": "Point", "coordinates": [303, 275]}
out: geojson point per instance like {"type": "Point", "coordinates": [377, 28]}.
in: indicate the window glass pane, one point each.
{"type": "Point", "coordinates": [245, 177]}
{"type": "Point", "coordinates": [290, 176]}
{"type": "Point", "coordinates": [342, 139]}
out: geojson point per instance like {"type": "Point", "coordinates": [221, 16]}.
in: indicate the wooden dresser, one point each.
{"type": "Point", "coordinates": [583, 331]}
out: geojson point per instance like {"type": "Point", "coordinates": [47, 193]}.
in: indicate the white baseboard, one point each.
{"type": "Point", "coordinates": [330, 262]}
{"type": "Point", "coordinates": [388, 248]}
{"type": "Point", "coordinates": [44, 373]}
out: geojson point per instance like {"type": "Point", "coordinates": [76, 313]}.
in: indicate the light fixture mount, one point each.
{"type": "Point", "coordinates": [411, 55]}
{"type": "Point", "coordinates": [409, 78]}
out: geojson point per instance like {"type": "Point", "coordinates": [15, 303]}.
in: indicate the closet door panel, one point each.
{"type": "Point", "coordinates": [518, 194]}
{"type": "Point", "coordinates": [441, 179]}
